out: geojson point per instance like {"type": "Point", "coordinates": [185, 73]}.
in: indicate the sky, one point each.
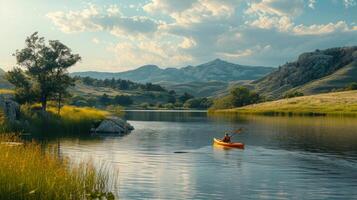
{"type": "Point", "coordinates": [120, 35]}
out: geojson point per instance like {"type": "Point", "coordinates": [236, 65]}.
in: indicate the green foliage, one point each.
{"type": "Point", "coordinates": [71, 120]}
{"type": "Point", "coordinates": [293, 94]}
{"type": "Point", "coordinates": [30, 171]}
{"type": "Point", "coordinates": [338, 103]}
{"type": "Point", "coordinates": [238, 97]}
{"type": "Point", "coordinates": [123, 100]}
{"type": "Point", "coordinates": [45, 76]}
{"type": "Point", "coordinates": [198, 103]}
{"type": "Point", "coordinates": [352, 86]}
{"type": "Point", "coordinates": [186, 96]}
{"type": "Point", "coordinates": [120, 84]}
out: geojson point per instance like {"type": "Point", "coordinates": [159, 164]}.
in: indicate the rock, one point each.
{"type": "Point", "coordinates": [114, 125]}
{"type": "Point", "coordinates": [10, 108]}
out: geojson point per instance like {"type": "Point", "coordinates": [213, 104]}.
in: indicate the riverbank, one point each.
{"type": "Point", "coordinates": [337, 103]}
{"type": "Point", "coordinates": [30, 171]}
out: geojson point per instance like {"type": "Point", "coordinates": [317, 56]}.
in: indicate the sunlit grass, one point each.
{"type": "Point", "coordinates": [77, 114]}
{"type": "Point", "coordinates": [6, 91]}
{"type": "Point", "coordinates": [71, 120]}
{"type": "Point", "coordinates": [338, 103]}
{"type": "Point", "coordinates": [28, 171]}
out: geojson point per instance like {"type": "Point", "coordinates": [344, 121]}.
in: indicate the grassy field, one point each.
{"type": "Point", "coordinates": [338, 103]}
{"type": "Point", "coordinates": [30, 171]}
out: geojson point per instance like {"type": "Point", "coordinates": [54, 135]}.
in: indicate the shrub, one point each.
{"type": "Point", "coordinates": [199, 103]}
{"type": "Point", "coordinates": [239, 96]}
{"type": "Point", "coordinates": [293, 94]}
{"type": "Point", "coordinates": [352, 86]}
{"type": "Point", "coordinates": [71, 120]}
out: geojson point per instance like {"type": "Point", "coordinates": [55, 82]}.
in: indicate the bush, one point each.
{"type": "Point", "coordinates": [239, 96]}
{"type": "Point", "coordinates": [352, 86]}
{"type": "Point", "coordinates": [123, 100]}
{"type": "Point", "coordinates": [198, 103]}
{"type": "Point", "coordinates": [71, 120]}
{"type": "Point", "coordinates": [293, 94]}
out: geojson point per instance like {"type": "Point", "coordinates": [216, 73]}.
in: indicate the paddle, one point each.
{"type": "Point", "coordinates": [236, 132]}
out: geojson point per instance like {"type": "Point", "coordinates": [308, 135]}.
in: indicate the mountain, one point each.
{"type": "Point", "coordinates": [313, 72]}
{"type": "Point", "coordinates": [216, 70]}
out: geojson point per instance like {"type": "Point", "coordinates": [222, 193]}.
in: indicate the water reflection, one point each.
{"type": "Point", "coordinates": [285, 158]}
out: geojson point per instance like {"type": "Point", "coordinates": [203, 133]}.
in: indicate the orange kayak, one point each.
{"type": "Point", "coordinates": [226, 144]}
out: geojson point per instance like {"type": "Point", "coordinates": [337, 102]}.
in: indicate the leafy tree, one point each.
{"type": "Point", "coordinates": [171, 99]}
{"type": "Point", "coordinates": [186, 96]}
{"type": "Point", "coordinates": [23, 86]}
{"type": "Point", "coordinates": [199, 103]}
{"type": "Point", "coordinates": [105, 99]}
{"type": "Point", "coordinates": [352, 86]}
{"type": "Point", "coordinates": [46, 66]}
{"type": "Point", "coordinates": [123, 100]}
{"type": "Point", "coordinates": [239, 96]}
{"type": "Point", "coordinates": [293, 94]}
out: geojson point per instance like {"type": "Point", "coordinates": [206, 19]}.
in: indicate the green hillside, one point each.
{"type": "Point", "coordinates": [314, 72]}
{"type": "Point", "coordinates": [337, 103]}
{"type": "Point", "coordinates": [337, 80]}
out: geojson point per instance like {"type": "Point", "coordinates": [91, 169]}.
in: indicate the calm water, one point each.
{"type": "Point", "coordinates": [285, 158]}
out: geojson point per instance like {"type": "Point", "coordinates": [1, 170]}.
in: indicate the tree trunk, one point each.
{"type": "Point", "coordinates": [44, 103]}
{"type": "Point", "coordinates": [59, 103]}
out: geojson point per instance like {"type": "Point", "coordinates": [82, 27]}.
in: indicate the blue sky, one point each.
{"type": "Point", "coordinates": [125, 34]}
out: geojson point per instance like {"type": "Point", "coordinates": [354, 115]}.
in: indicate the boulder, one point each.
{"type": "Point", "coordinates": [114, 125]}
{"type": "Point", "coordinates": [10, 108]}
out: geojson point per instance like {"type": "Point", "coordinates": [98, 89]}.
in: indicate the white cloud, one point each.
{"type": "Point", "coordinates": [200, 30]}
{"type": "Point", "coordinates": [187, 43]}
{"type": "Point", "coordinates": [321, 29]}
{"type": "Point", "coordinates": [95, 19]}
{"type": "Point", "coordinates": [349, 3]}
{"type": "Point", "coordinates": [95, 41]}
{"type": "Point", "coordinates": [187, 12]}
{"type": "Point", "coordinates": [266, 22]}
{"type": "Point", "coordinates": [276, 7]}
{"type": "Point", "coordinates": [76, 21]}
{"type": "Point", "coordinates": [311, 3]}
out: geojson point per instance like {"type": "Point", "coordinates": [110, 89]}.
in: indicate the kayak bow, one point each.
{"type": "Point", "coordinates": [228, 144]}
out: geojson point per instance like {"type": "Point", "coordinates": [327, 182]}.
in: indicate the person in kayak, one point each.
{"type": "Point", "coordinates": [226, 138]}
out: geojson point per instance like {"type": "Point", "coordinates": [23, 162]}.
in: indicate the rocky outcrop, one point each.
{"type": "Point", "coordinates": [114, 125]}
{"type": "Point", "coordinates": [9, 107]}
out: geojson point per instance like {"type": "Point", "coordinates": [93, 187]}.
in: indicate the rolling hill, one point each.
{"type": "Point", "coordinates": [314, 72]}
{"type": "Point", "coordinates": [216, 70]}
{"type": "Point", "coordinates": [335, 103]}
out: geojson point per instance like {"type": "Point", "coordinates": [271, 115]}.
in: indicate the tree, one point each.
{"type": "Point", "coordinates": [242, 96]}
{"type": "Point", "coordinates": [46, 68]}
{"type": "Point", "coordinates": [23, 86]}
{"type": "Point", "coordinates": [104, 99]}
{"type": "Point", "coordinates": [123, 100]}
{"type": "Point", "coordinates": [186, 96]}
{"type": "Point", "coordinates": [352, 86]}
{"type": "Point", "coordinates": [293, 94]}
{"type": "Point", "coordinates": [239, 96]}
{"type": "Point", "coordinates": [199, 103]}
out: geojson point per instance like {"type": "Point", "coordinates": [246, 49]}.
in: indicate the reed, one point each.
{"type": "Point", "coordinates": [29, 171]}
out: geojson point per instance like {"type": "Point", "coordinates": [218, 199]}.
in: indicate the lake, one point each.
{"type": "Point", "coordinates": [284, 158]}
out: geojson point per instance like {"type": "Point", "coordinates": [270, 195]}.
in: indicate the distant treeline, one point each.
{"type": "Point", "coordinates": [120, 84]}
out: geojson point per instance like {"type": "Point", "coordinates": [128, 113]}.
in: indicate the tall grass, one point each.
{"type": "Point", "coordinates": [71, 120]}
{"type": "Point", "coordinates": [28, 171]}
